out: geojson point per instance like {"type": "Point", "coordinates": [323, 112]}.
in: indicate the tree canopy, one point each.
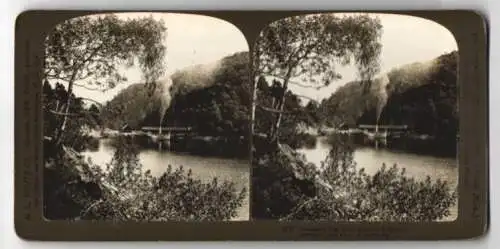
{"type": "Point", "coordinates": [89, 51]}
{"type": "Point", "coordinates": [214, 100]}
{"type": "Point", "coordinates": [422, 96]}
{"type": "Point", "coordinates": [92, 48]}
{"type": "Point", "coordinates": [307, 48]}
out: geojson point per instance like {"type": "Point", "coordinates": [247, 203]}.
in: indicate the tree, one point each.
{"type": "Point", "coordinates": [88, 51]}
{"type": "Point", "coordinates": [95, 112]}
{"type": "Point", "coordinates": [311, 110]}
{"type": "Point", "coordinates": [308, 47]}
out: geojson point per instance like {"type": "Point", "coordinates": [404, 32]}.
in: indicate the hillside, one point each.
{"type": "Point", "coordinates": [221, 106]}
{"type": "Point", "coordinates": [194, 77]}
{"type": "Point", "coordinates": [213, 98]}
{"type": "Point", "coordinates": [421, 95]}
{"type": "Point", "coordinates": [130, 106]}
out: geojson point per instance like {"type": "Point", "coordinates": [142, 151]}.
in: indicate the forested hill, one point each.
{"type": "Point", "coordinates": [420, 95]}
{"type": "Point", "coordinates": [129, 107]}
{"type": "Point", "coordinates": [213, 98]}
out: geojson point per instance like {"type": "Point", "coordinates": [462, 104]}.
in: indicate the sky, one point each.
{"type": "Point", "coordinates": [196, 39]}
{"type": "Point", "coordinates": [190, 40]}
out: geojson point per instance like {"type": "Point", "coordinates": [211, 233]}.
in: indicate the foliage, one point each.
{"type": "Point", "coordinates": [124, 192]}
{"type": "Point", "coordinates": [294, 114]}
{"type": "Point", "coordinates": [221, 106]}
{"type": "Point", "coordinates": [388, 195]}
{"type": "Point", "coordinates": [213, 99]}
{"type": "Point", "coordinates": [175, 196]}
{"type": "Point", "coordinates": [130, 107]}
{"type": "Point", "coordinates": [430, 108]}
{"type": "Point", "coordinates": [276, 189]}
{"type": "Point", "coordinates": [95, 113]}
{"type": "Point", "coordinates": [343, 192]}
{"type": "Point", "coordinates": [194, 77]}
{"type": "Point", "coordinates": [346, 105]}
{"type": "Point", "coordinates": [75, 190]}
{"type": "Point", "coordinates": [65, 191]}
{"type": "Point", "coordinates": [339, 190]}
{"type": "Point", "coordinates": [308, 47]}
{"type": "Point", "coordinates": [93, 47]}
{"type": "Point", "coordinates": [88, 52]}
{"type": "Point", "coordinates": [76, 135]}
{"type": "Point", "coordinates": [311, 112]}
{"type": "Point", "coordinates": [420, 95]}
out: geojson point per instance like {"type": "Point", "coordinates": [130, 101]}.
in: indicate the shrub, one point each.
{"type": "Point", "coordinates": [278, 182]}
{"type": "Point", "coordinates": [175, 196]}
{"type": "Point", "coordinates": [349, 194]}
{"type": "Point", "coordinates": [66, 191]}
{"type": "Point", "coordinates": [298, 140]}
{"type": "Point", "coordinates": [340, 191]}
{"type": "Point", "coordinates": [76, 189]}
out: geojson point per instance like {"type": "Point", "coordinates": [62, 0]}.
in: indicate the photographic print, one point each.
{"type": "Point", "coordinates": [216, 125]}
{"type": "Point", "coordinates": [355, 118]}
{"type": "Point", "coordinates": [146, 118]}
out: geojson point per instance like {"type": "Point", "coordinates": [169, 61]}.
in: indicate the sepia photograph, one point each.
{"type": "Point", "coordinates": [146, 118]}
{"type": "Point", "coordinates": [355, 118]}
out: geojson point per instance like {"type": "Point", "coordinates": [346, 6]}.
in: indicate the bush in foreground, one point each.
{"type": "Point", "coordinates": [276, 188]}
{"type": "Point", "coordinates": [127, 193]}
{"type": "Point", "coordinates": [345, 193]}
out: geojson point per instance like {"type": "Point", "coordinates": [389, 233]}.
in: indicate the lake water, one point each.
{"type": "Point", "coordinates": [205, 168]}
{"type": "Point", "coordinates": [418, 166]}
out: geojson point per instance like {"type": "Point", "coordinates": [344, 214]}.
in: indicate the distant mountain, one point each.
{"type": "Point", "coordinates": [421, 95]}
{"type": "Point", "coordinates": [213, 98]}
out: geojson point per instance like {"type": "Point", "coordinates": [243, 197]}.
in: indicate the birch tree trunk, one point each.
{"type": "Point", "coordinates": [256, 75]}
{"type": "Point", "coordinates": [254, 106]}
{"type": "Point", "coordinates": [275, 129]}
{"type": "Point", "coordinates": [62, 128]}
